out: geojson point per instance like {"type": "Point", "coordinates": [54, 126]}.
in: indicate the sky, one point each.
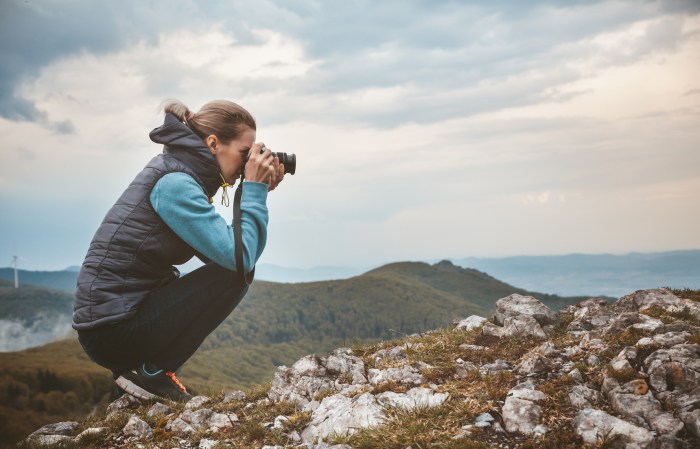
{"type": "Point", "coordinates": [422, 129]}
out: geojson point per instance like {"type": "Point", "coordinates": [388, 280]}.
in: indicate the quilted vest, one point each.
{"type": "Point", "coordinates": [133, 250]}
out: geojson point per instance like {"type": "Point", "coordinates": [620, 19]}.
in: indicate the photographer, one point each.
{"type": "Point", "coordinates": [135, 316]}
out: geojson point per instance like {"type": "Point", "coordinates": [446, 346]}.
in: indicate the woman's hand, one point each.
{"type": "Point", "coordinates": [260, 166]}
{"type": "Point", "coordinates": [277, 174]}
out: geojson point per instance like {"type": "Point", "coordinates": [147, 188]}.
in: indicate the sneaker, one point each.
{"type": "Point", "coordinates": [147, 386]}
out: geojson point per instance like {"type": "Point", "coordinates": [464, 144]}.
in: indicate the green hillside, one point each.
{"type": "Point", "coordinates": [275, 324]}
{"type": "Point", "coordinates": [28, 301]}
{"type": "Point", "coordinates": [49, 383]}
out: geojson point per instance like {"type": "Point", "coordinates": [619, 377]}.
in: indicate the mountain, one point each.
{"type": "Point", "coordinates": [597, 274]}
{"type": "Point", "coordinates": [60, 280]}
{"type": "Point", "coordinates": [276, 273]}
{"type": "Point", "coordinates": [593, 375]}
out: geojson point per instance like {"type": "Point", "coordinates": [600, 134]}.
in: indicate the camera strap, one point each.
{"type": "Point", "coordinates": [243, 278]}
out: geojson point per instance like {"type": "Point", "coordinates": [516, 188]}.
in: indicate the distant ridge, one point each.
{"type": "Point", "coordinates": [594, 274]}
{"type": "Point", "coordinates": [60, 280]}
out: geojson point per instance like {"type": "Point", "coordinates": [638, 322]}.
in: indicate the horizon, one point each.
{"type": "Point", "coordinates": [370, 266]}
{"type": "Point", "coordinates": [488, 129]}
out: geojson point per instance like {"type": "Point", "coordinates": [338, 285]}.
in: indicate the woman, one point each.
{"type": "Point", "coordinates": [134, 314]}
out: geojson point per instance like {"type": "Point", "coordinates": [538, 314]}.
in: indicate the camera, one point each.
{"type": "Point", "coordinates": [288, 160]}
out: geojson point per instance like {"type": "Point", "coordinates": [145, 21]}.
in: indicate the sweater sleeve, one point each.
{"type": "Point", "coordinates": [185, 208]}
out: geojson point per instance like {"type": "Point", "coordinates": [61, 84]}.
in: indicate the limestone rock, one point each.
{"type": "Point", "coordinates": [231, 396]}
{"type": "Point", "coordinates": [405, 374]}
{"type": "Point", "coordinates": [471, 322]}
{"type": "Point", "coordinates": [158, 409]}
{"type": "Point", "coordinates": [595, 426]}
{"type": "Point", "coordinates": [518, 305]}
{"type": "Point", "coordinates": [415, 397]}
{"type": "Point", "coordinates": [137, 428]}
{"type": "Point", "coordinates": [520, 413]}
{"type": "Point", "coordinates": [583, 397]}
{"type": "Point", "coordinates": [197, 402]}
{"type": "Point", "coordinates": [342, 415]}
{"type": "Point", "coordinates": [522, 326]}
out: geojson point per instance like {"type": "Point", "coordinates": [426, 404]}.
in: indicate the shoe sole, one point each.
{"type": "Point", "coordinates": [133, 389]}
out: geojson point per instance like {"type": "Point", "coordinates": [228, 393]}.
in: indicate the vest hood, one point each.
{"type": "Point", "coordinates": [183, 144]}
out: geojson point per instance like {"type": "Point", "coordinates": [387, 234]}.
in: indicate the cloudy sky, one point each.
{"type": "Point", "coordinates": [423, 129]}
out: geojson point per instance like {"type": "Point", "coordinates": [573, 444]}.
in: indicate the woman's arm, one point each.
{"type": "Point", "coordinates": [184, 207]}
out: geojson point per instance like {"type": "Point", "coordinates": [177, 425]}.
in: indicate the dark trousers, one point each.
{"type": "Point", "coordinates": [170, 325]}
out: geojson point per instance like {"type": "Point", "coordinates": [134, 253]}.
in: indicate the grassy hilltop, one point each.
{"type": "Point", "coordinates": [274, 325]}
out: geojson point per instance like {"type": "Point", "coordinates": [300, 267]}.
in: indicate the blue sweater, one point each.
{"type": "Point", "coordinates": [185, 208]}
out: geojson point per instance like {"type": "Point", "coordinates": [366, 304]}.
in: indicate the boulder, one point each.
{"type": "Point", "coordinates": [517, 305]}
{"type": "Point", "coordinates": [471, 322]}
{"type": "Point", "coordinates": [596, 427]}
{"type": "Point", "coordinates": [137, 428]}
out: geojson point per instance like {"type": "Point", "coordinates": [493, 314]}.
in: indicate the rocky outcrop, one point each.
{"type": "Point", "coordinates": [621, 375]}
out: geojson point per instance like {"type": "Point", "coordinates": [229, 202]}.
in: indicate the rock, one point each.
{"type": "Point", "coordinates": [220, 421]}
{"type": "Point", "coordinates": [124, 402]}
{"type": "Point", "coordinates": [472, 322]}
{"type": "Point", "coordinates": [301, 382]}
{"type": "Point", "coordinates": [66, 428]}
{"type": "Point", "coordinates": [484, 420]}
{"type": "Point", "coordinates": [231, 396]}
{"type": "Point", "coordinates": [343, 363]}
{"type": "Point", "coordinates": [496, 366]}
{"type": "Point", "coordinates": [476, 348]}
{"type": "Point", "coordinates": [463, 369]}
{"type": "Point", "coordinates": [593, 360]}
{"type": "Point", "coordinates": [583, 397]}
{"type": "Point", "coordinates": [49, 440]}
{"type": "Point", "coordinates": [137, 428]}
{"type": "Point", "coordinates": [518, 305]}
{"type": "Point", "coordinates": [406, 374]}
{"type": "Point", "coordinates": [576, 375]}
{"type": "Point", "coordinates": [642, 300]}
{"type": "Point", "coordinates": [492, 330]}
{"type": "Point", "coordinates": [676, 369]}
{"type": "Point", "coordinates": [692, 420]}
{"type": "Point", "coordinates": [179, 425]}
{"type": "Point", "coordinates": [520, 413]}
{"type": "Point", "coordinates": [196, 402]}
{"type": "Point", "coordinates": [92, 432]}
{"type": "Point", "coordinates": [596, 426]}
{"type": "Point", "coordinates": [197, 418]}
{"type": "Point", "coordinates": [158, 409]}
{"type": "Point", "coordinates": [522, 326]}
{"type": "Point", "coordinates": [342, 415]}
{"type": "Point", "coordinates": [666, 340]}
{"type": "Point", "coordinates": [206, 443]}
{"type": "Point", "coordinates": [533, 364]}
{"type": "Point", "coordinates": [415, 397]}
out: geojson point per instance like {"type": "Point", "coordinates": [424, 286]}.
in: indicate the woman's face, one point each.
{"type": "Point", "coordinates": [230, 156]}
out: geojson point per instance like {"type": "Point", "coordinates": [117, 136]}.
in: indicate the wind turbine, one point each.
{"type": "Point", "coordinates": [15, 260]}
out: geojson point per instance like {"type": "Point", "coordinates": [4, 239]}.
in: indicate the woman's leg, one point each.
{"type": "Point", "coordinates": [171, 324]}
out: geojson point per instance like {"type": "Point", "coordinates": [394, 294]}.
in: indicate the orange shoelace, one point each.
{"type": "Point", "coordinates": [177, 382]}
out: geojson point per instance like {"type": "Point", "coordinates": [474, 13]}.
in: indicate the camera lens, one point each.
{"type": "Point", "coordinates": [289, 161]}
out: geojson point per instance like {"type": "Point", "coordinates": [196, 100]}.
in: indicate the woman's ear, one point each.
{"type": "Point", "coordinates": [211, 142]}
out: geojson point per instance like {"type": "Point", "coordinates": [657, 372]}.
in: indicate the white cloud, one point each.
{"type": "Point", "coordinates": [505, 141]}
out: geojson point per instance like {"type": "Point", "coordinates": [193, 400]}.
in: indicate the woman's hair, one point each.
{"type": "Point", "coordinates": [225, 119]}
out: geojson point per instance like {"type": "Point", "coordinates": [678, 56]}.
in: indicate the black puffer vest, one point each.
{"type": "Point", "coordinates": [133, 250]}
